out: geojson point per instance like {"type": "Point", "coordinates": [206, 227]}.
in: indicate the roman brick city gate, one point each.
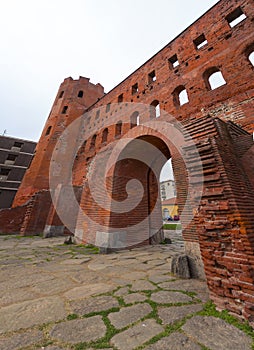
{"type": "Point", "coordinates": [213, 167]}
{"type": "Point", "coordinates": [215, 202]}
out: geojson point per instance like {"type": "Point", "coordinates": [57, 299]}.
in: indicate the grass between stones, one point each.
{"type": "Point", "coordinates": [111, 330]}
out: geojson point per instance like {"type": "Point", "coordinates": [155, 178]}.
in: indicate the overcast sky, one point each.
{"type": "Point", "coordinates": [45, 41]}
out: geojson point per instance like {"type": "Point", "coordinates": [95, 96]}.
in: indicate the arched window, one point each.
{"type": "Point", "coordinates": [93, 141]}
{"type": "Point", "coordinates": [83, 147]}
{"type": "Point", "coordinates": [118, 130]}
{"type": "Point", "coordinates": [213, 78]}
{"type": "Point", "coordinates": [105, 135]}
{"type": "Point", "coordinates": [251, 58]}
{"type": "Point", "coordinates": [61, 94]}
{"type": "Point", "coordinates": [180, 96]}
{"type": "Point", "coordinates": [64, 110]}
{"type": "Point", "coordinates": [80, 93]}
{"type": "Point", "coordinates": [155, 109]}
{"type": "Point", "coordinates": [48, 130]}
{"type": "Point", "coordinates": [134, 119]}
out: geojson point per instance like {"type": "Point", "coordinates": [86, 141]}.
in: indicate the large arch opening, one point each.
{"type": "Point", "coordinates": [136, 182]}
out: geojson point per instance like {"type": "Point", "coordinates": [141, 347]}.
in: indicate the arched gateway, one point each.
{"type": "Point", "coordinates": [105, 170]}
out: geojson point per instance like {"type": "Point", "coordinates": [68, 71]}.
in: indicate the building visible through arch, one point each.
{"type": "Point", "coordinates": [212, 162]}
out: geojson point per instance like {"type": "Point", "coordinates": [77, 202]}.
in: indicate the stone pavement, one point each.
{"type": "Point", "coordinates": [55, 296]}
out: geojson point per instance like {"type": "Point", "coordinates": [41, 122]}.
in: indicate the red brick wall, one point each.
{"type": "Point", "coordinates": [11, 220]}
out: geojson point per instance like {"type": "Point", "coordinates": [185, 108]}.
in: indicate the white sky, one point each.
{"type": "Point", "coordinates": [45, 41]}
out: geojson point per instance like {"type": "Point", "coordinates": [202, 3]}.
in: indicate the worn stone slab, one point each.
{"type": "Point", "coordinates": [122, 291]}
{"type": "Point", "coordinates": [97, 266]}
{"type": "Point", "coordinates": [119, 281]}
{"type": "Point", "coordinates": [165, 297]}
{"type": "Point", "coordinates": [187, 285]}
{"type": "Point", "coordinates": [128, 315]}
{"type": "Point", "coordinates": [156, 262]}
{"type": "Point", "coordinates": [26, 280]}
{"type": "Point", "coordinates": [176, 341]}
{"type": "Point", "coordinates": [88, 290]}
{"type": "Point", "coordinates": [134, 298]}
{"type": "Point", "coordinates": [16, 296]}
{"type": "Point", "coordinates": [54, 286]}
{"type": "Point", "coordinates": [101, 303]}
{"type": "Point", "coordinates": [171, 314]}
{"type": "Point", "coordinates": [141, 267]}
{"type": "Point", "coordinates": [142, 285]}
{"type": "Point", "coordinates": [21, 340]}
{"type": "Point", "coordinates": [75, 261]}
{"type": "Point", "coordinates": [50, 347]}
{"type": "Point", "coordinates": [124, 262]}
{"type": "Point", "coordinates": [77, 331]}
{"type": "Point", "coordinates": [216, 334]}
{"type": "Point", "coordinates": [136, 335]}
{"type": "Point", "coordinates": [135, 275]}
{"type": "Point", "coordinates": [157, 278]}
{"type": "Point", "coordinates": [30, 313]}
{"type": "Point", "coordinates": [83, 275]}
{"type": "Point", "coordinates": [165, 267]}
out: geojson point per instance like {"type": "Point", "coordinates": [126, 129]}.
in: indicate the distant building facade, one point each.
{"type": "Point", "coordinates": [169, 208]}
{"type": "Point", "coordinates": [167, 189]}
{"type": "Point", "coordinates": [15, 157]}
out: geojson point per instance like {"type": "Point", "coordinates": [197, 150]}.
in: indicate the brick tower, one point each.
{"type": "Point", "coordinates": [72, 99]}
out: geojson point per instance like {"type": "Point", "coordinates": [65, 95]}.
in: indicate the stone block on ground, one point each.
{"type": "Point", "coordinates": [180, 266]}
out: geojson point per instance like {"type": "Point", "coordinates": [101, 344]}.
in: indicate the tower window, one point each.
{"type": "Point", "coordinates": [180, 96]}
{"type": "Point", "coordinates": [134, 119]}
{"type": "Point", "coordinates": [235, 17]}
{"type": "Point", "coordinates": [97, 114]}
{"type": "Point", "coordinates": [118, 130]}
{"type": "Point", "coordinates": [120, 98]}
{"type": "Point", "coordinates": [83, 147]}
{"type": "Point", "coordinates": [80, 93]}
{"type": "Point", "coordinates": [93, 141]}
{"type": "Point", "coordinates": [151, 77]}
{"type": "Point", "coordinates": [200, 41]}
{"type": "Point", "coordinates": [61, 94]}
{"type": "Point", "coordinates": [105, 135]}
{"type": "Point", "coordinates": [64, 110]}
{"type": "Point", "coordinates": [173, 62]}
{"type": "Point", "coordinates": [213, 78]}
{"type": "Point", "coordinates": [251, 58]}
{"type": "Point", "coordinates": [48, 130]}
{"type": "Point", "coordinates": [155, 109]}
{"type": "Point", "coordinates": [134, 89]}
{"type": "Point", "coordinates": [108, 107]}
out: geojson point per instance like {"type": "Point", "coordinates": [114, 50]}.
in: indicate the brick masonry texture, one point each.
{"type": "Point", "coordinates": [217, 123]}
